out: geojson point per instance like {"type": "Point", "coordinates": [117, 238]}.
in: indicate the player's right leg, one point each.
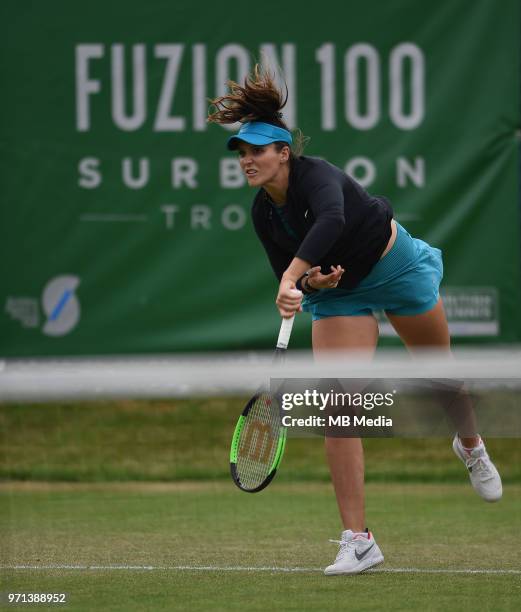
{"type": "Point", "coordinates": [358, 550]}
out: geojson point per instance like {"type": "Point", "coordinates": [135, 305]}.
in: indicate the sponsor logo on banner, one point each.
{"type": "Point", "coordinates": [61, 307]}
{"type": "Point", "coordinates": [471, 311]}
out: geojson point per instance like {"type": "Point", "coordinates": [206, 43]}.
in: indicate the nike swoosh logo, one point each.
{"type": "Point", "coordinates": [306, 214]}
{"type": "Point", "coordinates": [359, 557]}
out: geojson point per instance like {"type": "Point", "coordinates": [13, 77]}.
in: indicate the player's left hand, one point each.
{"type": "Point", "coordinates": [317, 280]}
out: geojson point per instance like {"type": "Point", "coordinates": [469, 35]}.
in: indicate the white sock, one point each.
{"type": "Point", "coordinates": [469, 450]}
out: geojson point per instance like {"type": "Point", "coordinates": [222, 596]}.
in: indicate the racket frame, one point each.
{"type": "Point", "coordinates": [234, 450]}
{"type": "Point", "coordinates": [280, 350]}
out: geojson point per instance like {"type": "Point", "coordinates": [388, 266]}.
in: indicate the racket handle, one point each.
{"type": "Point", "coordinates": [285, 332]}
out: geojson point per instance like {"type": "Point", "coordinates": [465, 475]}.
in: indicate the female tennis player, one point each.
{"type": "Point", "coordinates": [338, 247]}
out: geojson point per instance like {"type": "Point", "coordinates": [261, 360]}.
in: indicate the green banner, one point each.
{"type": "Point", "coordinates": [125, 222]}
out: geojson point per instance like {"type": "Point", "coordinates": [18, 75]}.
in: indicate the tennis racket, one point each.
{"type": "Point", "coordinates": [259, 438]}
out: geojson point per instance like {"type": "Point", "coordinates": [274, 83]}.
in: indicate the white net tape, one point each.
{"type": "Point", "coordinates": [233, 374]}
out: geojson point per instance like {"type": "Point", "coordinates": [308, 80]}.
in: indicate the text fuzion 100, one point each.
{"type": "Point", "coordinates": [366, 75]}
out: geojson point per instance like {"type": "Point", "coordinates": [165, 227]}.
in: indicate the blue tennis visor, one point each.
{"type": "Point", "coordinates": [259, 133]}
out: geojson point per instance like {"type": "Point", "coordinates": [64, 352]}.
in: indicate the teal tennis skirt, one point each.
{"type": "Point", "coordinates": [404, 282]}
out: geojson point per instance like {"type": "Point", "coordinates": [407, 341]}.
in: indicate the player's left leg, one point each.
{"type": "Point", "coordinates": [429, 330]}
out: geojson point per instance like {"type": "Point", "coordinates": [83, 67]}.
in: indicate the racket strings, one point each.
{"type": "Point", "coordinates": [258, 442]}
{"type": "Point", "coordinates": [255, 448]}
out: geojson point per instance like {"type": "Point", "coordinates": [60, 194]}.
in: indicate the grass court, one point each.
{"type": "Point", "coordinates": [103, 517]}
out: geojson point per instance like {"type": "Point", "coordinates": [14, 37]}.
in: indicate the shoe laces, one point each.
{"type": "Point", "coordinates": [482, 463]}
{"type": "Point", "coordinates": [345, 547]}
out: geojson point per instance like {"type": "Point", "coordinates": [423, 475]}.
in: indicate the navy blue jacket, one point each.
{"type": "Point", "coordinates": [328, 219]}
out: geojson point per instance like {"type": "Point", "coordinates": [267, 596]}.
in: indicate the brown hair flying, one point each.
{"type": "Point", "coordinates": [259, 99]}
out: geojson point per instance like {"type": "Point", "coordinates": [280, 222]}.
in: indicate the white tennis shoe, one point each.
{"type": "Point", "coordinates": [483, 473]}
{"type": "Point", "coordinates": [357, 552]}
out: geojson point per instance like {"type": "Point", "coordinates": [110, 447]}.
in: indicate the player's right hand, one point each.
{"type": "Point", "coordinates": [289, 299]}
